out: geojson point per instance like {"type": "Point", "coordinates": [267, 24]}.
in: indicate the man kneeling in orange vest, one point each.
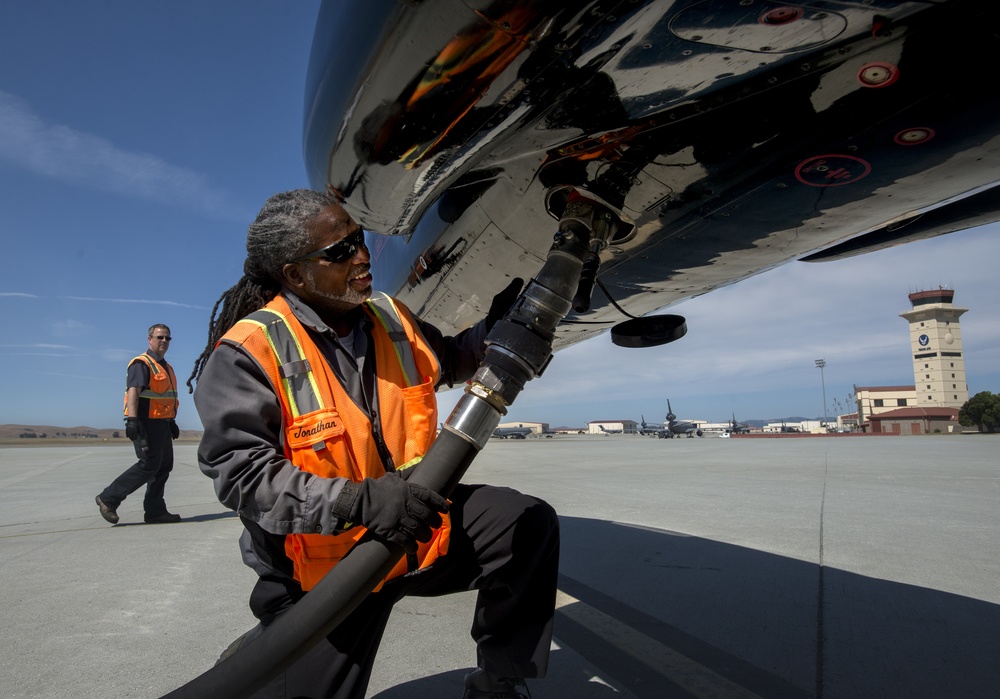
{"type": "Point", "coordinates": [316, 394]}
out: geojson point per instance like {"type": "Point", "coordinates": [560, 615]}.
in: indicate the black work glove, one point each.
{"type": "Point", "coordinates": [175, 431]}
{"type": "Point", "coordinates": [391, 508]}
{"type": "Point", "coordinates": [134, 429]}
{"type": "Point", "coordinates": [502, 302]}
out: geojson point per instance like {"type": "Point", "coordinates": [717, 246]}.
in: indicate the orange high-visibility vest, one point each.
{"type": "Point", "coordinates": [162, 390]}
{"type": "Point", "coordinates": [326, 434]}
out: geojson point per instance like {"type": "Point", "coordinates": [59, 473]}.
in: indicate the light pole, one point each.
{"type": "Point", "coordinates": [822, 363]}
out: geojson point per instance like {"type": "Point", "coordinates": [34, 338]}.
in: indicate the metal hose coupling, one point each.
{"type": "Point", "coordinates": [519, 347]}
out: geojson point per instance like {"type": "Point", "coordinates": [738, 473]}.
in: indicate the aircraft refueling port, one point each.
{"type": "Point", "coordinates": [623, 229]}
{"type": "Point", "coordinates": [781, 15]}
{"type": "Point", "coordinates": [608, 225]}
{"type": "Point", "coordinates": [650, 331]}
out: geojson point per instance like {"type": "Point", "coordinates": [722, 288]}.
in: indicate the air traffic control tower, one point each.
{"type": "Point", "coordinates": [936, 344]}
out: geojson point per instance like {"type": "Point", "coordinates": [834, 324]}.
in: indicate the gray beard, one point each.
{"type": "Point", "coordinates": [337, 302]}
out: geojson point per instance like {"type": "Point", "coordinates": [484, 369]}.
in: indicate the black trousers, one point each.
{"type": "Point", "coordinates": [503, 544]}
{"type": "Point", "coordinates": [151, 469]}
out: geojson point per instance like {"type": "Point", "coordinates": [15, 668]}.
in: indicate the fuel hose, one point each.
{"type": "Point", "coordinates": [517, 349]}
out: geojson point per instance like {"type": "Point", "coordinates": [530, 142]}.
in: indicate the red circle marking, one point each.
{"type": "Point", "coordinates": [831, 170]}
{"type": "Point", "coordinates": [781, 15]}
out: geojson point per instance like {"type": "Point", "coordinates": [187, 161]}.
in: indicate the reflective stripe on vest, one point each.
{"type": "Point", "coordinates": [384, 309]}
{"type": "Point", "coordinates": [297, 376]}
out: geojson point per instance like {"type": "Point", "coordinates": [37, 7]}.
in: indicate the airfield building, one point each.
{"type": "Point", "coordinates": [939, 387]}
{"type": "Point", "coordinates": [936, 345]}
{"type": "Point", "coordinates": [612, 427]}
{"type": "Point", "coordinates": [535, 427]}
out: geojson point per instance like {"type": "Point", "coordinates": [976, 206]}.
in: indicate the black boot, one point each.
{"type": "Point", "coordinates": [485, 685]}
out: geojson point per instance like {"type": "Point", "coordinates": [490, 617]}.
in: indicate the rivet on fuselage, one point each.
{"type": "Point", "coordinates": [914, 136]}
{"type": "Point", "coordinates": [878, 74]}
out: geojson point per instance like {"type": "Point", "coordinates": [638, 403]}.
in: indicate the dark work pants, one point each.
{"type": "Point", "coordinates": [503, 543]}
{"type": "Point", "coordinates": [152, 470]}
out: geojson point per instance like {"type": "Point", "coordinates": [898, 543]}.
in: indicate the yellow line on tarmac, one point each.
{"type": "Point", "coordinates": [681, 670]}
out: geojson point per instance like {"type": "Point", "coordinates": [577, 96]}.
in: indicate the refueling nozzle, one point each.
{"type": "Point", "coordinates": [605, 223]}
{"type": "Point", "coordinates": [519, 347]}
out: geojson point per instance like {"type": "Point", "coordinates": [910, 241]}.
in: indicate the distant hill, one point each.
{"type": "Point", "coordinates": [35, 433]}
{"type": "Point", "coordinates": [762, 423]}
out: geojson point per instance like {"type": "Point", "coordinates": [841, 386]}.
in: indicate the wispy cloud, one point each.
{"type": "Point", "coordinates": [117, 355]}
{"type": "Point", "coordinates": [176, 304]}
{"type": "Point", "coordinates": [37, 345]}
{"type": "Point", "coordinates": [33, 354]}
{"type": "Point", "coordinates": [148, 301]}
{"type": "Point", "coordinates": [78, 376]}
{"type": "Point", "coordinates": [69, 328]}
{"type": "Point", "coordinates": [83, 159]}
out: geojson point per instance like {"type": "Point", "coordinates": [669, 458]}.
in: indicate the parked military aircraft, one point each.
{"type": "Point", "coordinates": [671, 427]}
{"type": "Point", "coordinates": [512, 432]}
{"type": "Point", "coordinates": [738, 427]}
{"type": "Point", "coordinates": [719, 138]}
{"type": "Point", "coordinates": [648, 429]}
{"type": "Point", "coordinates": [605, 430]}
{"type": "Point", "coordinates": [678, 428]}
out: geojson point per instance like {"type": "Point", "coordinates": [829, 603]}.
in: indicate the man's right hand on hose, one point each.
{"type": "Point", "coordinates": [134, 429]}
{"type": "Point", "coordinates": [392, 509]}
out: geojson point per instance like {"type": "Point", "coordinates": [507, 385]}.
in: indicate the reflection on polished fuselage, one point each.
{"type": "Point", "coordinates": [735, 135]}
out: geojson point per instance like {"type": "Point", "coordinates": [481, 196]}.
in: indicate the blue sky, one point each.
{"type": "Point", "coordinates": [138, 140]}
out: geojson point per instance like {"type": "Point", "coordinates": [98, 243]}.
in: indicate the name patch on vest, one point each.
{"type": "Point", "coordinates": [314, 428]}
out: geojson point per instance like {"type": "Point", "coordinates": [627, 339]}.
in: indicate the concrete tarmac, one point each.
{"type": "Point", "coordinates": [828, 567]}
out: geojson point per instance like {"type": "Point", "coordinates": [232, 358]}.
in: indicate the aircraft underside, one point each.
{"type": "Point", "coordinates": [724, 138]}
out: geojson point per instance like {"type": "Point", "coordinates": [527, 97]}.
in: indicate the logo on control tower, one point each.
{"type": "Point", "coordinates": [923, 340]}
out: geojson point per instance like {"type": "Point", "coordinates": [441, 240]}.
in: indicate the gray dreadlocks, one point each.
{"type": "Point", "coordinates": [275, 237]}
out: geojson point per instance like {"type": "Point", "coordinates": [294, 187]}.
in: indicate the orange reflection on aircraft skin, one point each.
{"type": "Point", "coordinates": [461, 73]}
{"type": "Point", "coordinates": [603, 146]}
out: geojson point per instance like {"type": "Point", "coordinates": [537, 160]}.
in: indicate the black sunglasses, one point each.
{"type": "Point", "coordinates": [162, 337]}
{"type": "Point", "coordinates": [341, 251]}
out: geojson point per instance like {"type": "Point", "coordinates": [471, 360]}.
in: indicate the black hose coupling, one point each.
{"type": "Point", "coordinates": [519, 347]}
